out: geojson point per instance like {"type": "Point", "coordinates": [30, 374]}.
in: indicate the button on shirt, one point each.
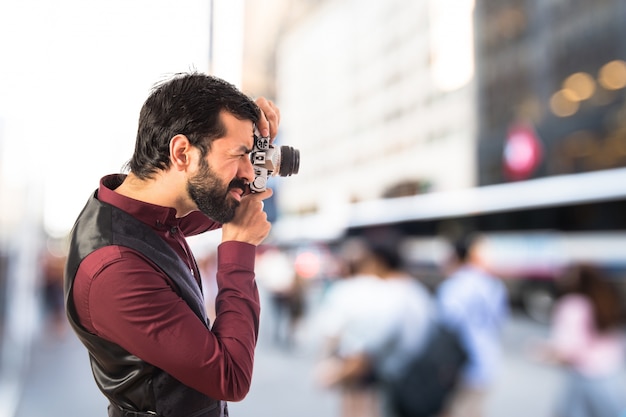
{"type": "Point", "coordinates": [122, 296]}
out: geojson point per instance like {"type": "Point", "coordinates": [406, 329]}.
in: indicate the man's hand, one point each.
{"type": "Point", "coordinates": [250, 223]}
{"type": "Point", "coordinates": [270, 118]}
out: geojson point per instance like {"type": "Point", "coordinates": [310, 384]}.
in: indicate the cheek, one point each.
{"type": "Point", "coordinates": [225, 173]}
{"type": "Point", "coordinates": [236, 167]}
{"type": "Point", "coordinates": [226, 168]}
{"type": "Point", "coordinates": [228, 172]}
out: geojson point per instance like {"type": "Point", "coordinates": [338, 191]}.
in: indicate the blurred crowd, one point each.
{"type": "Point", "coordinates": [374, 317]}
{"type": "Point", "coordinates": [370, 316]}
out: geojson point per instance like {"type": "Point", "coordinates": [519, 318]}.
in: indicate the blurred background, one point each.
{"type": "Point", "coordinates": [423, 119]}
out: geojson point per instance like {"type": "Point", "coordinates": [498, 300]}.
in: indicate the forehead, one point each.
{"type": "Point", "coordinates": [237, 129]}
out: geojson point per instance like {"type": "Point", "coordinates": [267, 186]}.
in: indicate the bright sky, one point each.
{"type": "Point", "coordinates": [74, 75]}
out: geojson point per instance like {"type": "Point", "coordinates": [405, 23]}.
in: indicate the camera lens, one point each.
{"type": "Point", "coordinates": [289, 161]}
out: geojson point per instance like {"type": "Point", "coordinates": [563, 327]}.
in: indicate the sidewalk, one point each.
{"type": "Point", "coordinates": [59, 383]}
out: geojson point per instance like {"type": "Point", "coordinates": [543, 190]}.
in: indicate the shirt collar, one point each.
{"type": "Point", "coordinates": [151, 214]}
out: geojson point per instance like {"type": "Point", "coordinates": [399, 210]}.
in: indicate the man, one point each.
{"type": "Point", "coordinates": [132, 285]}
{"type": "Point", "coordinates": [474, 302]}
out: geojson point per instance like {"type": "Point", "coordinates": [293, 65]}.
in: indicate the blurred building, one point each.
{"type": "Point", "coordinates": [551, 78]}
{"type": "Point", "coordinates": [378, 97]}
{"type": "Point", "coordinates": [446, 117]}
{"type": "Point", "coordinates": [366, 92]}
{"type": "Point", "coordinates": [428, 100]}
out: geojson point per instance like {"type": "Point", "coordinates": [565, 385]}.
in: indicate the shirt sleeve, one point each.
{"type": "Point", "coordinates": [450, 304]}
{"type": "Point", "coordinates": [123, 297]}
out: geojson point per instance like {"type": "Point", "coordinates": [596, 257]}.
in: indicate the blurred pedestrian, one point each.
{"type": "Point", "coordinates": [587, 340]}
{"type": "Point", "coordinates": [376, 320]}
{"type": "Point", "coordinates": [474, 303]}
{"type": "Point", "coordinates": [133, 287]}
{"type": "Point", "coordinates": [277, 274]}
{"type": "Point", "coordinates": [53, 262]}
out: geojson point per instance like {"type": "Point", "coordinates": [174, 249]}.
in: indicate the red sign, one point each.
{"type": "Point", "coordinates": [522, 152]}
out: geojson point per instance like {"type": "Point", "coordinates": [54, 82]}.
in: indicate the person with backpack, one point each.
{"type": "Point", "coordinates": [377, 320]}
{"type": "Point", "coordinates": [474, 303]}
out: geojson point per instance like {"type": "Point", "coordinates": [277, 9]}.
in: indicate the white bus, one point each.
{"type": "Point", "coordinates": [533, 229]}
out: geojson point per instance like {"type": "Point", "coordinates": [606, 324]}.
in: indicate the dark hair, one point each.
{"type": "Point", "coordinates": [590, 281]}
{"type": "Point", "coordinates": [461, 247]}
{"type": "Point", "coordinates": [388, 253]}
{"type": "Point", "coordinates": [187, 104]}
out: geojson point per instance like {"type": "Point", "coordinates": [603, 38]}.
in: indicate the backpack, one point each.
{"type": "Point", "coordinates": [427, 381]}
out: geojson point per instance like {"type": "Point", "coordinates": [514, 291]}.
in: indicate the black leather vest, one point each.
{"type": "Point", "coordinates": [134, 388]}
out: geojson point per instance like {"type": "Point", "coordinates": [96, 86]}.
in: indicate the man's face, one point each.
{"type": "Point", "coordinates": [220, 182]}
{"type": "Point", "coordinates": [213, 196]}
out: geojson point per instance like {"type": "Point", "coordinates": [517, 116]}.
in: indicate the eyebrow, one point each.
{"type": "Point", "coordinates": [244, 149]}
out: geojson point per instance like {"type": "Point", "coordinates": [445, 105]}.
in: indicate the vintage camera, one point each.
{"type": "Point", "coordinates": [269, 160]}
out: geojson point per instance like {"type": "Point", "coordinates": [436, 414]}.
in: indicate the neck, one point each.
{"type": "Point", "coordinates": [161, 190]}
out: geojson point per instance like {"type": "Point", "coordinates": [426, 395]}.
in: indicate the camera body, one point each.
{"type": "Point", "coordinates": [269, 160]}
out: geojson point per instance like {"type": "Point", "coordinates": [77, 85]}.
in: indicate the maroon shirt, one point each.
{"type": "Point", "coordinates": [121, 296]}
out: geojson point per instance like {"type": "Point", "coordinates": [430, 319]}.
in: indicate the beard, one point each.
{"type": "Point", "coordinates": [212, 196]}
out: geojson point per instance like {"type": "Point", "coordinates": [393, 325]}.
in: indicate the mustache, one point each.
{"type": "Point", "coordinates": [238, 183]}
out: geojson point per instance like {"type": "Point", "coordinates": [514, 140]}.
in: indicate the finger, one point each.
{"type": "Point", "coordinates": [259, 196]}
{"type": "Point", "coordinates": [255, 205]}
{"type": "Point", "coordinates": [275, 114]}
{"type": "Point", "coordinates": [273, 117]}
{"type": "Point", "coordinates": [263, 124]}
{"type": "Point", "coordinates": [265, 194]}
{"type": "Point", "coordinates": [270, 117]}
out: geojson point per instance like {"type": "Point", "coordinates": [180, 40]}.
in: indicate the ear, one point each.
{"type": "Point", "coordinates": [180, 152]}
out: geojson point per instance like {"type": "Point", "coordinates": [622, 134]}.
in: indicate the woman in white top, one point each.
{"type": "Point", "coordinates": [375, 321]}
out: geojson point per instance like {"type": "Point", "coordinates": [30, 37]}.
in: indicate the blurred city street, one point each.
{"type": "Point", "coordinates": [59, 381]}
{"type": "Point", "coordinates": [421, 124]}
